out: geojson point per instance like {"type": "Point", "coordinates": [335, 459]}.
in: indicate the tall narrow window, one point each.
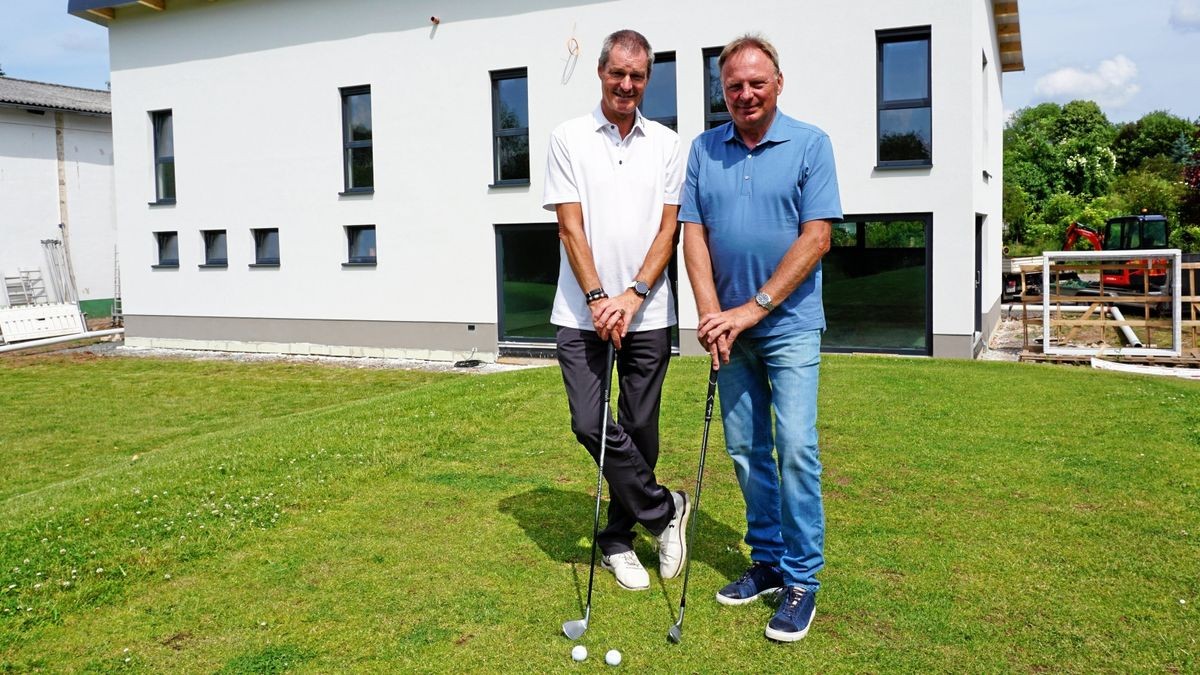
{"type": "Point", "coordinates": [168, 249]}
{"type": "Point", "coordinates": [905, 121]}
{"type": "Point", "coordinates": [266, 246]}
{"type": "Point", "coordinates": [659, 103]}
{"type": "Point", "coordinates": [715, 111]}
{"type": "Point", "coordinates": [358, 166]}
{"type": "Point", "coordinates": [216, 250]}
{"type": "Point", "coordinates": [360, 240]}
{"type": "Point", "coordinates": [164, 157]}
{"type": "Point", "coordinates": [510, 126]}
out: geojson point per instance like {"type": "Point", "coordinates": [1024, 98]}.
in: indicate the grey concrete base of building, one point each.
{"type": "Point", "coordinates": [322, 337]}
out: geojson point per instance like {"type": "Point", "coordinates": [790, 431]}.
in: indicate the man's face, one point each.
{"type": "Point", "coordinates": [623, 82]}
{"type": "Point", "coordinates": [752, 88]}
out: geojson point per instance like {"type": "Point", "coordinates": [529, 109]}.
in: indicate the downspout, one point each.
{"type": "Point", "coordinates": [63, 216]}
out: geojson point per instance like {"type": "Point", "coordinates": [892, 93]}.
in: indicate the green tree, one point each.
{"type": "Point", "coordinates": [1154, 135]}
{"type": "Point", "coordinates": [1017, 209]}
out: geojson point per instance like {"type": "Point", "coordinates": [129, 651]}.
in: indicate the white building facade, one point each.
{"type": "Point", "coordinates": [364, 178]}
{"type": "Point", "coordinates": [56, 183]}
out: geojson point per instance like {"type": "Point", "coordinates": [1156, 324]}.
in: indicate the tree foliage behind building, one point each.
{"type": "Point", "coordinates": [1065, 163]}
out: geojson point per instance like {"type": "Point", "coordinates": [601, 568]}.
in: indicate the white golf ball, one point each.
{"type": "Point", "coordinates": [579, 652]}
{"type": "Point", "coordinates": [613, 657]}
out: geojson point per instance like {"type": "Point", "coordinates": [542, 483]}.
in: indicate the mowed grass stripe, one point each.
{"type": "Point", "coordinates": [446, 529]}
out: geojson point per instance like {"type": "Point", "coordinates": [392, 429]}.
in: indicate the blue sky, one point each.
{"type": "Point", "coordinates": [1130, 56]}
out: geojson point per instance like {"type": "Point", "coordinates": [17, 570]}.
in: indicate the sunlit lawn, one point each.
{"type": "Point", "coordinates": [163, 515]}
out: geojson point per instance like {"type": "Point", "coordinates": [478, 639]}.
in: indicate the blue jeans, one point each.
{"type": "Point", "coordinates": [779, 468]}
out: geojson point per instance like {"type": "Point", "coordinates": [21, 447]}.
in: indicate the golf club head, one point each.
{"type": "Point", "coordinates": [574, 629]}
{"type": "Point", "coordinates": [675, 635]}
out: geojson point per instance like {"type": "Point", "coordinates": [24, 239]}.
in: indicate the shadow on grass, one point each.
{"type": "Point", "coordinates": [558, 521]}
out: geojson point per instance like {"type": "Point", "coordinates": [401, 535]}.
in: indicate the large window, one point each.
{"type": "Point", "coordinates": [905, 121]}
{"type": "Point", "coordinates": [510, 126]}
{"type": "Point", "coordinates": [266, 246]}
{"type": "Point", "coordinates": [164, 157]}
{"type": "Point", "coordinates": [216, 248]}
{"type": "Point", "coordinates": [168, 248]}
{"type": "Point", "coordinates": [360, 243]}
{"type": "Point", "coordinates": [659, 103]}
{"type": "Point", "coordinates": [715, 110]}
{"type": "Point", "coordinates": [876, 284]}
{"type": "Point", "coordinates": [358, 165]}
{"type": "Point", "coordinates": [527, 277]}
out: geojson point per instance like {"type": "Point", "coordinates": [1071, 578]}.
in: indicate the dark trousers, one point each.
{"type": "Point", "coordinates": [632, 447]}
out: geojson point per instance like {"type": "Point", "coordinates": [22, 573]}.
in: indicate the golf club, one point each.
{"type": "Point", "coordinates": [675, 635]}
{"type": "Point", "coordinates": [574, 629]}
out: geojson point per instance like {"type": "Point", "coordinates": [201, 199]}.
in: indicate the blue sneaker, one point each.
{"type": "Point", "coordinates": [761, 578]}
{"type": "Point", "coordinates": [794, 616]}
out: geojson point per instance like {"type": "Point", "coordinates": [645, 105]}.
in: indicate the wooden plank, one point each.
{"type": "Point", "coordinates": [159, 5]}
{"type": "Point", "coordinates": [1135, 323]}
{"type": "Point", "coordinates": [104, 12]}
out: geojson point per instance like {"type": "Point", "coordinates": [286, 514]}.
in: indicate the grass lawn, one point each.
{"type": "Point", "coordinates": [227, 517]}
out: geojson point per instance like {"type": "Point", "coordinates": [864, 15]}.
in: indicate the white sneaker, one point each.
{"type": "Point", "coordinates": [628, 570]}
{"type": "Point", "coordinates": [672, 543]}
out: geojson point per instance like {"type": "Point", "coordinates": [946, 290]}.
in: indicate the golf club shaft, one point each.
{"type": "Point", "coordinates": [708, 412]}
{"type": "Point", "coordinates": [600, 473]}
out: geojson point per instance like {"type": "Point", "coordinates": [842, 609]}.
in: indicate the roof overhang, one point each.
{"type": "Point", "coordinates": [1008, 35]}
{"type": "Point", "coordinates": [103, 11]}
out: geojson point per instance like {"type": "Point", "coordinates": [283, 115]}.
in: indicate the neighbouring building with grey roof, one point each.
{"type": "Point", "coordinates": [56, 183]}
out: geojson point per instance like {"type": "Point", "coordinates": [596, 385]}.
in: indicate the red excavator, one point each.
{"type": "Point", "coordinates": [1127, 233]}
{"type": "Point", "coordinates": [1118, 234]}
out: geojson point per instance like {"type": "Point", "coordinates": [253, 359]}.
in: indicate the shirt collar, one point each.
{"type": "Point", "coordinates": [773, 135]}
{"type": "Point", "coordinates": [602, 121]}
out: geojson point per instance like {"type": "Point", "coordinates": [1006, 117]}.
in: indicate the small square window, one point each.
{"type": "Point", "coordinates": [360, 240]}
{"type": "Point", "coordinates": [215, 248]}
{"type": "Point", "coordinates": [168, 249]}
{"type": "Point", "coordinates": [266, 246]}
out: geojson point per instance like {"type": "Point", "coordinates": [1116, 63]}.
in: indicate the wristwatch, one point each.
{"type": "Point", "coordinates": [764, 301]}
{"type": "Point", "coordinates": [641, 288]}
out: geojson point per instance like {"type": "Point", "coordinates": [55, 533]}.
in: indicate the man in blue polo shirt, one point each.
{"type": "Point", "coordinates": [759, 200]}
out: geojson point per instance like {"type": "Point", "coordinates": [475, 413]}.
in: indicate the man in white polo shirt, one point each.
{"type": "Point", "coordinates": [613, 179]}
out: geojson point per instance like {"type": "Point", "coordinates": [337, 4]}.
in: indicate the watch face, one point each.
{"type": "Point", "coordinates": [641, 288]}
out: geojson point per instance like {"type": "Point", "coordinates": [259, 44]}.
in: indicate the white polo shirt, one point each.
{"type": "Point", "coordinates": [621, 185]}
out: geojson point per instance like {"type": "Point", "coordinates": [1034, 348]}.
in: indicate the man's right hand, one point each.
{"type": "Point", "coordinates": [608, 317]}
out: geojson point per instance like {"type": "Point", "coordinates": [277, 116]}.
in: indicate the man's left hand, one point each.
{"type": "Point", "coordinates": [723, 328]}
{"type": "Point", "coordinates": [617, 313]}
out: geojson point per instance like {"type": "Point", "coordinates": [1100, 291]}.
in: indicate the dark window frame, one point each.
{"type": "Point", "coordinates": [713, 119]}
{"type": "Point", "coordinates": [258, 234]}
{"type": "Point", "coordinates": [496, 76]}
{"type": "Point", "coordinates": [209, 238]}
{"type": "Point", "coordinates": [156, 116]}
{"type": "Point", "coordinates": [927, 218]}
{"type": "Point", "coordinates": [160, 239]}
{"type": "Point", "coordinates": [883, 37]}
{"type": "Point", "coordinates": [517, 344]}
{"type": "Point", "coordinates": [349, 145]}
{"type": "Point", "coordinates": [670, 121]}
{"type": "Point", "coordinates": [352, 234]}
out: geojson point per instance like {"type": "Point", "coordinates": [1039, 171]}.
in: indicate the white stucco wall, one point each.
{"type": "Point", "coordinates": [30, 199]}
{"type": "Point", "coordinates": [254, 91]}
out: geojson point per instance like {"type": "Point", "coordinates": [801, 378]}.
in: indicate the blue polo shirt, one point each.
{"type": "Point", "coordinates": [752, 203]}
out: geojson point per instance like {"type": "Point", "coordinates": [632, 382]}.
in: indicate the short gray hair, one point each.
{"type": "Point", "coordinates": [631, 40]}
{"type": "Point", "coordinates": [749, 41]}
